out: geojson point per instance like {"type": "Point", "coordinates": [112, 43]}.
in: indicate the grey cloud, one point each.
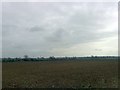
{"type": "Point", "coordinates": [57, 36]}
{"type": "Point", "coordinates": [80, 35]}
{"type": "Point", "coordinates": [36, 29]}
{"type": "Point", "coordinates": [41, 27]}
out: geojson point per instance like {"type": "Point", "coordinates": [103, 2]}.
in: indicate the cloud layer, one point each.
{"type": "Point", "coordinates": [59, 29]}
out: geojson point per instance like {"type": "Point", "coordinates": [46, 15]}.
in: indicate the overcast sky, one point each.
{"type": "Point", "coordinates": [59, 29]}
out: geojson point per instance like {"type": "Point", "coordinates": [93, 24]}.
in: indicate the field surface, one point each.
{"type": "Point", "coordinates": [60, 74]}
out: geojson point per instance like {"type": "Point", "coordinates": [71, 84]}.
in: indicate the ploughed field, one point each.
{"type": "Point", "coordinates": [60, 74]}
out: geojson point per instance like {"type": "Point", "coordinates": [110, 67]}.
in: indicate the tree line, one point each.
{"type": "Point", "coordinates": [52, 58]}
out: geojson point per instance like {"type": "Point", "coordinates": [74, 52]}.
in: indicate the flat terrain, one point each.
{"type": "Point", "coordinates": [60, 74]}
{"type": "Point", "coordinates": [0, 75]}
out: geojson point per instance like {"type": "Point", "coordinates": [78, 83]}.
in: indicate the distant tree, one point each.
{"type": "Point", "coordinates": [52, 58]}
{"type": "Point", "coordinates": [92, 56]}
{"type": "Point", "coordinates": [25, 57]}
{"type": "Point", "coordinates": [95, 56]}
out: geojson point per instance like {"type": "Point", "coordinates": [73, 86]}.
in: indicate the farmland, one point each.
{"type": "Point", "coordinates": [60, 74]}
